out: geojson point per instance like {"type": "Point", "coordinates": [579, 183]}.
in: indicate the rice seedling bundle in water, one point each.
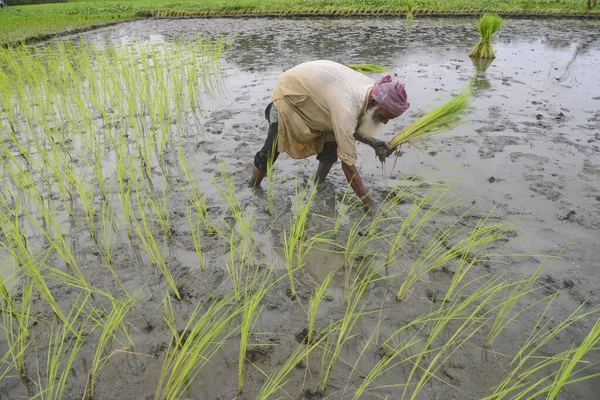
{"type": "Point", "coordinates": [445, 117]}
{"type": "Point", "coordinates": [488, 24]}
{"type": "Point", "coordinates": [367, 68]}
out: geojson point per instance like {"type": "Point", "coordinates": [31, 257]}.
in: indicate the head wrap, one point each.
{"type": "Point", "coordinates": [390, 96]}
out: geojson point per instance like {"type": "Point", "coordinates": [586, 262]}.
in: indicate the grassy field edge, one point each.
{"type": "Point", "coordinates": [27, 24]}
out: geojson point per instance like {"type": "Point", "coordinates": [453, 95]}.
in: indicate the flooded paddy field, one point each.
{"type": "Point", "coordinates": [459, 291]}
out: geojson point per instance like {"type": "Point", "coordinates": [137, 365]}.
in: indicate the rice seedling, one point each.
{"type": "Point", "coordinates": [196, 233]}
{"type": "Point", "coordinates": [193, 346]}
{"type": "Point", "coordinates": [255, 290]}
{"type": "Point", "coordinates": [16, 325]}
{"type": "Point", "coordinates": [238, 267]}
{"type": "Point", "coordinates": [149, 243]}
{"type": "Point", "coordinates": [276, 380]}
{"type": "Point", "coordinates": [63, 348]}
{"type": "Point", "coordinates": [294, 240]}
{"type": "Point", "coordinates": [242, 222]}
{"type": "Point", "coordinates": [521, 289]}
{"type": "Point", "coordinates": [520, 380]}
{"type": "Point", "coordinates": [196, 198]}
{"type": "Point", "coordinates": [273, 180]}
{"type": "Point", "coordinates": [315, 302]}
{"type": "Point", "coordinates": [409, 10]}
{"type": "Point", "coordinates": [367, 68]}
{"type": "Point", "coordinates": [447, 116]}
{"type": "Point", "coordinates": [354, 311]}
{"type": "Point", "coordinates": [438, 253]}
{"type": "Point", "coordinates": [488, 24]}
{"type": "Point", "coordinates": [111, 324]}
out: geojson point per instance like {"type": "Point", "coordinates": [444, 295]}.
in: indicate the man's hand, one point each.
{"type": "Point", "coordinates": [382, 150]}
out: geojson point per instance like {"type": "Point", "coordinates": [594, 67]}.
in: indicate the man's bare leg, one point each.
{"type": "Point", "coordinates": [257, 176]}
{"type": "Point", "coordinates": [322, 172]}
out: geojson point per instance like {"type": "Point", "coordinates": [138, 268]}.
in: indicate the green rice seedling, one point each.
{"type": "Point", "coordinates": [354, 311]}
{"type": "Point", "coordinates": [193, 346]}
{"type": "Point", "coordinates": [55, 237]}
{"type": "Point", "coordinates": [277, 380]}
{"type": "Point", "coordinates": [563, 376]}
{"type": "Point", "coordinates": [254, 293]}
{"type": "Point", "coordinates": [238, 266]}
{"type": "Point", "coordinates": [487, 26]}
{"type": "Point", "coordinates": [423, 209]}
{"type": "Point", "coordinates": [87, 196]}
{"type": "Point", "coordinates": [294, 240]}
{"type": "Point", "coordinates": [150, 245]}
{"type": "Point", "coordinates": [112, 323]}
{"type": "Point", "coordinates": [161, 209]}
{"type": "Point", "coordinates": [521, 289]}
{"type": "Point", "coordinates": [469, 310]}
{"type": "Point", "coordinates": [367, 68]}
{"type": "Point", "coordinates": [518, 383]}
{"type": "Point", "coordinates": [242, 222]}
{"type": "Point", "coordinates": [342, 209]}
{"type": "Point", "coordinates": [273, 180]}
{"type": "Point", "coordinates": [313, 307]}
{"type": "Point", "coordinates": [393, 357]}
{"type": "Point", "coordinates": [16, 324]}
{"type": "Point", "coordinates": [356, 241]}
{"type": "Point", "coordinates": [410, 6]}
{"type": "Point", "coordinates": [196, 198]}
{"type": "Point", "coordinates": [63, 348]}
{"type": "Point", "coordinates": [447, 116]}
{"type": "Point", "coordinates": [28, 263]}
{"type": "Point", "coordinates": [196, 233]}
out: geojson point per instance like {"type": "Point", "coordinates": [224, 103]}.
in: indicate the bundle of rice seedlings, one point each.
{"type": "Point", "coordinates": [445, 117]}
{"type": "Point", "coordinates": [367, 68]}
{"type": "Point", "coordinates": [409, 10]}
{"type": "Point", "coordinates": [481, 64]}
{"type": "Point", "coordinates": [488, 24]}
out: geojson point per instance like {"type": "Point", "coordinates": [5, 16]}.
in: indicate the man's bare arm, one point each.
{"type": "Point", "coordinates": [356, 182]}
{"type": "Point", "coordinates": [382, 149]}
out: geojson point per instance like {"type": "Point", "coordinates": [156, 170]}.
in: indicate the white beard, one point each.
{"type": "Point", "coordinates": [368, 125]}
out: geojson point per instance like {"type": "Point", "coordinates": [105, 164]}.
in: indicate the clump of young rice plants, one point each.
{"type": "Point", "coordinates": [315, 302]}
{"type": "Point", "coordinates": [488, 24]}
{"type": "Point", "coordinates": [447, 116]}
{"type": "Point", "coordinates": [438, 253]}
{"type": "Point", "coordinates": [254, 292]}
{"type": "Point", "coordinates": [63, 349]}
{"type": "Point", "coordinates": [111, 324]}
{"type": "Point", "coordinates": [273, 180]}
{"type": "Point", "coordinates": [295, 242]}
{"type": "Point", "coordinates": [193, 346]}
{"type": "Point", "coordinates": [410, 6]}
{"type": "Point", "coordinates": [523, 380]}
{"type": "Point", "coordinates": [15, 325]}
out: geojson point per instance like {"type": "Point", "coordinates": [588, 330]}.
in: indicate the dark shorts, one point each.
{"type": "Point", "coordinates": [327, 156]}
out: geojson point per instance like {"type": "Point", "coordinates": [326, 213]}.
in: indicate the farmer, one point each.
{"type": "Point", "coordinates": [323, 108]}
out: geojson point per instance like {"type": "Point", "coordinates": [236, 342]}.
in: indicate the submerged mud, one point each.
{"type": "Point", "coordinates": [530, 150]}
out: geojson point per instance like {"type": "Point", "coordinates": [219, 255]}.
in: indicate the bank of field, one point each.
{"type": "Point", "coordinates": [127, 272]}
{"type": "Point", "coordinates": [18, 23]}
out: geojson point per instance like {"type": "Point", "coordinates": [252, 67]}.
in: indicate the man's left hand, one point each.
{"type": "Point", "coordinates": [382, 150]}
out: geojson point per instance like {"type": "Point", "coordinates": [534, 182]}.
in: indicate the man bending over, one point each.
{"type": "Point", "coordinates": [323, 108]}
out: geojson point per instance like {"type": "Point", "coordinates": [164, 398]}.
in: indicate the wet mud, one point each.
{"type": "Point", "coordinates": [530, 151]}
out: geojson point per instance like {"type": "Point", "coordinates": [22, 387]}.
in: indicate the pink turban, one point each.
{"type": "Point", "coordinates": [390, 96]}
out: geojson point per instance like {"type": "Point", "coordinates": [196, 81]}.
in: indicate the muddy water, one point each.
{"type": "Point", "coordinates": [531, 145]}
{"type": "Point", "coordinates": [530, 148]}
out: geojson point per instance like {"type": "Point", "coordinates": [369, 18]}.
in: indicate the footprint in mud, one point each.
{"type": "Point", "coordinates": [547, 189]}
{"type": "Point", "coordinates": [517, 155]}
{"type": "Point", "coordinates": [589, 171]}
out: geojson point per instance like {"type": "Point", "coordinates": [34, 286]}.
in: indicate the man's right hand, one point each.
{"type": "Point", "coordinates": [382, 150]}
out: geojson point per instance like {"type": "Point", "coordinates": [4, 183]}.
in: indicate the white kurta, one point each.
{"type": "Point", "coordinates": [318, 102]}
